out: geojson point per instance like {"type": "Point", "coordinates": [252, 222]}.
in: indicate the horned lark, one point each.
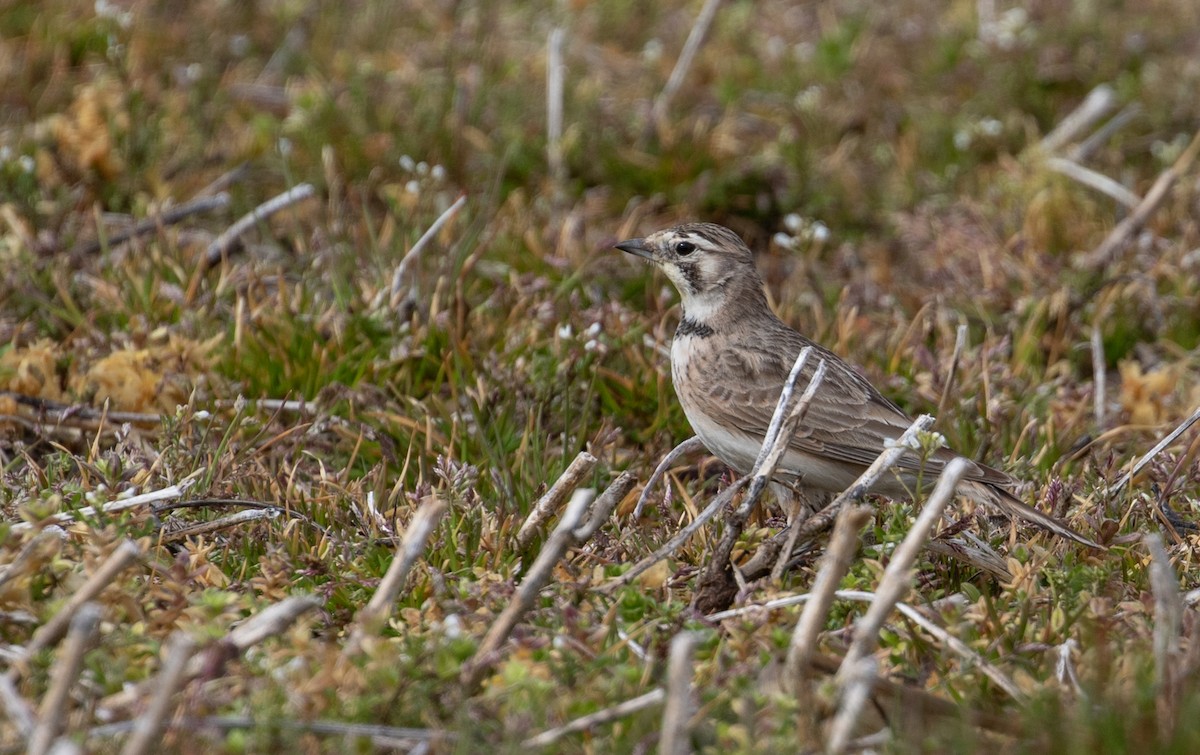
{"type": "Point", "coordinates": [731, 356]}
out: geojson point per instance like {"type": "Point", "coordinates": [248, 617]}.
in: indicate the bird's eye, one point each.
{"type": "Point", "coordinates": [685, 248]}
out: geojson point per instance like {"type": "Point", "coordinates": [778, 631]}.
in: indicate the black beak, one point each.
{"type": "Point", "coordinates": [636, 247]}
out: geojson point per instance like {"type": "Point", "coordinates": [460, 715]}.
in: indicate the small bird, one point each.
{"type": "Point", "coordinates": [731, 357]}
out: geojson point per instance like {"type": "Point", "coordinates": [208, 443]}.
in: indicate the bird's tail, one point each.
{"type": "Point", "coordinates": [1009, 504]}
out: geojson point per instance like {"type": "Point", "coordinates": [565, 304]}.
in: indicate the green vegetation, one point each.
{"type": "Point", "coordinates": [882, 157]}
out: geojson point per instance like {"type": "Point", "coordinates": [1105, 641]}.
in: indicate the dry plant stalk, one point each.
{"type": "Point", "coordinates": [675, 736]}
{"type": "Point", "coordinates": [121, 559]}
{"type": "Point", "coordinates": [716, 586]}
{"type": "Point", "coordinates": [149, 726]}
{"type": "Point", "coordinates": [758, 565]}
{"type": "Point", "coordinates": [227, 241]}
{"type": "Point", "coordinates": [896, 578]}
{"type": "Point", "coordinates": [857, 687]}
{"type": "Point", "coordinates": [112, 507]}
{"type": "Point", "coordinates": [1105, 254]}
{"type": "Point", "coordinates": [371, 617]}
{"type": "Point", "coordinates": [271, 621]}
{"type": "Point", "coordinates": [570, 531]}
{"type": "Point", "coordinates": [676, 542]}
{"type": "Point", "coordinates": [555, 73]}
{"type": "Point", "coordinates": [840, 553]}
{"type": "Point", "coordinates": [583, 723]}
{"type": "Point", "coordinates": [552, 499]}
{"type": "Point", "coordinates": [85, 623]}
{"type": "Point", "coordinates": [1158, 447]}
{"type": "Point", "coordinates": [1098, 375]}
{"type": "Point", "coordinates": [1168, 622]}
{"type": "Point", "coordinates": [690, 445]}
{"type": "Point", "coordinates": [397, 297]}
{"type": "Point", "coordinates": [662, 103]}
{"type": "Point", "coordinates": [168, 217]}
{"type": "Point", "coordinates": [1100, 102]}
{"type": "Point", "coordinates": [18, 709]}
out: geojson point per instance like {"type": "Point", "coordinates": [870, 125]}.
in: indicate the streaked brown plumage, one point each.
{"type": "Point", "coordinates": [731, 356]}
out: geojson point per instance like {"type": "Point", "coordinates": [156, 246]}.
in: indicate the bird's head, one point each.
{"type": "Point", "coordinates": [708, 263]}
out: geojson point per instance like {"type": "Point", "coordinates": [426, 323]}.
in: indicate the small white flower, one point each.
{"type": "Point", "coordinates": [202, 415]}
{"type": "Point", "coordinates": [407, 163]}
{"type": "Point", "coordinates": [413, 187]}
{"type": "Point", "coordinates": [564, 331]}
{"type": "Point", "coordinates": [593, 330]}
{"type": "Point", "coordinates": [652, 51]}
{"type": "Point", "coordinates": [793, 222]}
{"type": "Point", "coordinates": [820, 231]}
{"type": "Point", "coordinates": [783, 240]}
{"type": "Point", "coordinates": [285, 146]}
{"type": "Point", "coordinates": [962, 140]}
{"type": "Point", "coordinates": [437, 173]}
{"type": "Point", "coordinates": [452, 626]}
{"type": "Point", "coordinates": [591, 345]}
{"type": "Point", "coordinates": [422, 168]}
{"type": "Point", "coordinates": [27, 163]}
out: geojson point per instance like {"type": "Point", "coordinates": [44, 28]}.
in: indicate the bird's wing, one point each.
{"type": "Point", "coordinates": [848, 420]}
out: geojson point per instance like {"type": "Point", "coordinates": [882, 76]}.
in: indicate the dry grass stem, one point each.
{"type": "Point", "coordinates": [122, 557]}
{"type": "Point", "coordinates": [1100, 102]}
{"type": "Point", "coordinates": [1100, 136]}
{"type": "Point", "coordinates": [168, 217]}
{"type": "Point", "coordinates": [387, 737]}
{"type": "Point", "coordinates": [148, 728]}
{"type": "Point", "coordinates": [836, 562]}
{"type": "Point", "coordinates": [768, 552]}
{"type": "Point", "coordinates": [662, 103]}
{"type": "Point", "coordinates": [1099, 373]}
{"type": "Point", "coordinates": [550, 736]}
{"type": "Point", "coordinates": [960, 343]}
{"type": "Point", "coordinates": [85, 623]}
{"type": "Point", "coordinates": [231, 238]}
{"type": "Point", "coordinates": [1168, 609]}
{"type": "Point", "coordinates": [717, 584]}
{"type": "Point", "coordinates": [17, 708]}
{"type": "Point", "coordinates": [690, 445]}
{"type": "Point", "coordinates": [858, 682]}
{"type": "Point", "coordinates": [580, 467]}
{"type": "Point", "coordinates": [896, 578]}
{"type": "Point", "coordinates": [398, 296]}
{"type": "Point", "coordinates": [112, 507]}
{"type": "Point", "coordinates": [1106, 253]}
{"type": "Point", "coordinates": [675, 543]}
{"type": "Point", "coordinates": [570, 531]}
{"type": "Point", "coordinates": [1126, 478]}
{"type": "Point", "coordinates": [230, 521]}
{"type": "Point", "coordinates": [555, 74]}
{"type": "Point", "coordinates": [675, 735]}
{"type": "Point", "coordinates": [271, 621]}
{"type": "Point", "coordinates": [1093, 180]}
{"type": "Point", "coordinates": [422, 526]}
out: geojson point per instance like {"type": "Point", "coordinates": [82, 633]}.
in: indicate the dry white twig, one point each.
{"type": "Point", "coordinates": [85, 623]}
{"type": "Point", "coordinates": [1084, 149]}
{"type": "Point", "coordinates": [555, 70]}
{"type": "Point", "coordinates": [1094, 180]}
{"type": "Point", "coordinates": [122, 557]}
{"type": "Point", "coordinates": [397, 296]}
{"type": "Point", "coordinates": [1100, 102]}
{"type": "Point", "coordinates": [225, 243]}
{"type": "Point", "coordinates": [583, 723]}
{"type": "Point", "coordinates": [271, 621]}
{"type": "Point", "coordinates": [834, 565]}
{"type": "Point", "coordinates": [896, 578]}
{"type": "Point", "coordinates": [1158, 447]}
{"type": "Point", "coordinates": [571, 530]}
{"type": "Point", "coordinates": [676, 542]}
{"type": "Point", "coordinates": [1168, 608]}
{"type": "Point", "coordinates": [112, 507]}
{"type": "Point", "coordinates": [910, 612]}
{"type": "Point", "coordinates": [552, 499]}
{"type": "Point", "coordinates": [1105, 254]}
{"type": "Point", "coordinates": [1064, 667]}
{"type": "Point", "coordinates": [1099, 373]}
{"type": "Point", "coordinates": [149, 726]}
{"type": "Point", "coordinates": [960, 343]}
{"type": "Point", "coordinates": [371, 616]}
{"type": "Point", "coordinates": [662, 103]}
{"type": "Point", "coordinates": [675, 736]}
{"type": "Point", "coordinates": [688, 446]}
{"type": "Point", "coordinates": [858, 682]}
